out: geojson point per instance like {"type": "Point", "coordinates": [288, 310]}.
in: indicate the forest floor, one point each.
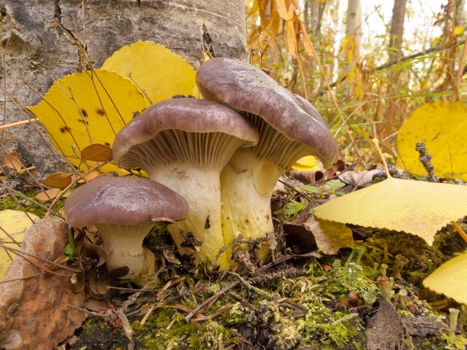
{"type": "Point", "coordinates": [369, 296]}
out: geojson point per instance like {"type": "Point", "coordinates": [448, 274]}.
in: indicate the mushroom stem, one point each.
{"type": "Point", "coordinates": [247, 185]}
{"type": "Point", "coordinates": [123, 245]}
{"type": "Point", "coordinates": [200, 186]}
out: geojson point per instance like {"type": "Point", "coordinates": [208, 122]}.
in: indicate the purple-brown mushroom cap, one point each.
{"type": "Point", "coordinates": [247, 88]}
{"type": "Point", "coordinates": [123, 201]}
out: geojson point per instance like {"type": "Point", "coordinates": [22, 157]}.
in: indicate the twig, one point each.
{"type": "Point", "coordinates": [211, 299]}
{"type": "Point", "coordinates": [301, 193]}
{"type": "Point", "coordinates": [126, 328]}
{"type": "Point", "coordinates": [460, 230]}
{"type": "Point", "coordinates": [19, 278]}
{"type": "Point", "coordinates": [18, 123]}
{"type": "Point", "coordinates": [147, 314]}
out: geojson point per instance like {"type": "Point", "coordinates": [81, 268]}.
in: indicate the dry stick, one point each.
{"type": "Point", "coordinates": [45, 261]}
{"type": "Point", "coordinates": [224, 290]}
{"type": "Point", "coordinates": [12, 192]}
{"type": "Point", "coordinates": [73, 183]}
{"type": "Point", "coordinates": [18, 123]}
{"type": "Point", "coordinates": [27, 112]}
{"type": "Point", "coordinates": [19, 278]}
{"type": "Point", "coordinates": [211, 299]}
{"type": "Point", "coordinates": [301, 193]}
{"type": "Point", "coordinates": [460, 230]}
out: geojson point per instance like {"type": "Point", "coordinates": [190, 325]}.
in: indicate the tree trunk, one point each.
{"type": "Point", "coordinates": [351, 49]}
{"type": "Point", "coordinates": [37, 51]}
{"type": "Point", "coordinates": [394, 53]}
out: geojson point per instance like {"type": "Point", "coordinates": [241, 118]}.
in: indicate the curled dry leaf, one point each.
{"type": "Point", "coordinates": [97, 153]}
{"type": "Point", "coordinates": [385, 328]}
{"type": "Point", "coordinates": [13, 161]}
{"type": "Point", "coordinates": [39, 310]}
{"type": "Point", "coordinates": [358, 178]}
{"type": "Point", "coordinates": [58, 180]}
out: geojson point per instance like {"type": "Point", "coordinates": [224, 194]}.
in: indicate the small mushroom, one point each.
{"type": "Point", "coordinates": [124, 210]}
{"type": "Point", "coordinates": [289, 127]}
{"type": "Point", "coordinates": [184, 143]}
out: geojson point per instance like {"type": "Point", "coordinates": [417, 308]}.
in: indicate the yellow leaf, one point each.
{"type": "Point", "coordinates": [450, 279]}
{"type": "Point", "coordinates": [97, 153]}
{"type": "Point", "coordinates": [291, 38]}
{"type": "Point", "coordinates": [284, 9]}
{"type": "Point", "coordinates": [307, 44]}
{"type": "Point", "coordinates": [416, 207]}
{"type": "Point", "coordinates": [307, 163]}
{"type": "Point", "coordinates": [58, 180]}
{"type": "Point", "coordinates": [13, 225]}
{"type": "Point", "coordinates": [442, 126]}
{"type": "Point", "coordinates": [86, 108]}
{"type": "Point", "coordinates": [458, 30]}
{"type": "Point", "coordinates": [158, 72]}
{"type": "Point", "coordinates": [329, 236]}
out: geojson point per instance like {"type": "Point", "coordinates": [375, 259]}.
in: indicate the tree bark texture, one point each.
{"type": "Point", "coordinates": [397, 30]}
{"type": "Point", "coordinates": [396, 35]}
{"type": "Point", "coordinates": [36, 49]}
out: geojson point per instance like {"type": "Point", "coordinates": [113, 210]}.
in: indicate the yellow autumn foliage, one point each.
{"type": "Point", "coordinates": [442, 126]}
{"type": "Point", "coordinates": [450, 279]}
{"type": "Point", "coordinates": [158, 72]}
{"type": "Point", "coordinates": [88, 108]}
{"type": "Point", "coordinates": [13, 225]}
{"type": "Point", "coordinates": [416, 207]}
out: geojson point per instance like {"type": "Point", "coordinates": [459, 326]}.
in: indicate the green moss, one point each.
{"type": "Point", "coordinates": [167, 329]}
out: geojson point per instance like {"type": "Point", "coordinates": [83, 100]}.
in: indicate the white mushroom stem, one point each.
{"type": "Point", "coordinates": [200, 186]}
{"type": "Point", "coordinates": [123, 245]}
{"type": "Point", "coordinates": [247, 185]}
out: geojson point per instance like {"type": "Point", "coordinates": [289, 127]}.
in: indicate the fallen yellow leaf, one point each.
{"type": "Point", "coordinates": [306, 163]}
{"type": "Point", "coordinates": [13, 225]}
{"type": "Point", "coordinates": [158, 72]}
{"type": "Point", "coordinates": [416, 207]}
{"type": "Point", "coordinates": [450, 279]}
{"type": "Point", "coordinates": [329, 236]}
{"type": "Point", "coordinates": [442, 126]}
{"type": "Point", "coordinates": [88, 108]}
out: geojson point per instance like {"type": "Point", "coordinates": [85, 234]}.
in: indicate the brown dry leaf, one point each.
{"type": "Point", "coordinates": [13, 161]}
{"type": "Point", "coordinates": [358, 178]}
{"type": "Point", "coordinates": [329, 236]}
{"type": "Point", "coordinates": [58, 180]}
{"type": "Point", "coordinates": [48, 195]}
{"type": "Point", "coordinates": [97, 153]}
{"type": "Point", "coordinates": [91, 176]}
{"type": "Point", "coordinates": [385, 329]}
{"type": "Point", "coordinates": [39, 312]}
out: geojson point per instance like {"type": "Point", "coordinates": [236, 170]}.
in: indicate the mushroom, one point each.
{"type": "Point", "coordinates": [184, 143]}
{"type": "Point", "coordinates": [289, 127]}
{"type": "Point", "coordinates": [124, 210]}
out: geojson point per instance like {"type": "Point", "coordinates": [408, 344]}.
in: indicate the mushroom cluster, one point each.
{"type": "Point", "coordinates": [223, 154]}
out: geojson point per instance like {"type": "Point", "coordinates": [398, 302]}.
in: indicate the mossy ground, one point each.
{"type": "Point", "coordinates": [316, 302]}
{"type": "Point", "coordinates": [302, 302]}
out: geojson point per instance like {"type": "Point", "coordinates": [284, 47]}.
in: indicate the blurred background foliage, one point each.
{"type": "Point", "coordinates": [366, 65]}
